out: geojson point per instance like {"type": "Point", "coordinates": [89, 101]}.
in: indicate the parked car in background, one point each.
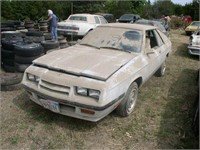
{"type": "Point", "coordinates": [80, 24]}
{"type": "Point", "coordinates": [129, 18]}
{"type": "Point", "coordinates": [109, 17]}
{"type": "Point", "coordinates": [164, 23]}
{"type": "Point", "coordinates": [91, 79]}
{"type": "Point", "coordinates": [194, 44]}
{"type": "Point", "coordinates": [153, 23]}
{"type": "Point", "coordinates": [192, 27]}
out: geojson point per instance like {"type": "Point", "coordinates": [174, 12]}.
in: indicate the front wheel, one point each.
{"type": "Point", "coordinates": [127, 105]}
{"type": "Point", "coordinates": [161, 71]}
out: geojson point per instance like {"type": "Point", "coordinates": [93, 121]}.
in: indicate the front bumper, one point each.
{"type": "Point", "coordinates": [75, 109]}
{"type": "Point", "coordinates": [194, 50]}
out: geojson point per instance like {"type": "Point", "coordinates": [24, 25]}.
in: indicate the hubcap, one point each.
{"type": "Point", "coordinates": [132, 100]}
{"type": "Point", "coordinates": [164, 68]}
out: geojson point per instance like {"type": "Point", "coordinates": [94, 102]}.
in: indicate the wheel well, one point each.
{"type": "Point", "coordinates": [88, 31]}
{"type": "Point", "coordinates": [167, 54]}
{"type": "Point", "coordinates": [139, 81]}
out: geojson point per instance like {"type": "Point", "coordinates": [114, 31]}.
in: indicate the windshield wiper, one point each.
{"type": "Point", "coordinates": [116, 49]}
{"type": "Point", "coordinates": [89, 45]}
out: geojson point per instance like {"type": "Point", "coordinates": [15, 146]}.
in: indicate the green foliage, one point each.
{"type": "Point", "coordinates": [192, 9]}
{"type": "Point", "coordinates": [117, 8]}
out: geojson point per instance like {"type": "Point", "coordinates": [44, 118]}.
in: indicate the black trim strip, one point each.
{"type": "Point", "coordinates": [74, 103]}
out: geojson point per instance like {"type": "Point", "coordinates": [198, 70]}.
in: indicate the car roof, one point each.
{"type": "Point", "coordinates": [84, 14]}
{"type": "Point", "coordinates": [130, 26]}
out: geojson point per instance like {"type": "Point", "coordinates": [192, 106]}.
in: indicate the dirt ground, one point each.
{"type": "Point", "coordinates": [162, 118]}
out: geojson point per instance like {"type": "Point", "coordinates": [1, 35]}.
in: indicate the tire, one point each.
{"type": "Point", "coordinates": [7, 29]}
{"type": "Point", "coordinates": [43, 28]}
{"type": "Point", "coordinates": [64, 41]}
{"type": "Point", "coordinates": [34, 39]}
{"type": "Point", "coordinates": [8, 62]}
{"type": "Point", "coordinates": [5, 54]}
{"type": "Point", "coordinates": [29, 50]}
{"type": "Point", "coordinates": [161, 71]}
{"type": "Point", "coordinates": [11, 78]}
{"type": "Point", "coordinates": [29, 25]}
{"type": "Point", "coordinates": [64, 46]}
{"type": "Point", "coordinates": [25, 60]}
{"type": "Point", "coordinates": [30, 29]}
{"type": "Point", "coordinates": [34, 33]}
{"type": "Point", "coordinates": [11, 34]}
{"type": "Point", "coordinates": [48, 36]}
{"type": "Point", "coordinates": [61, 37]}
{"type": "Point", "coordinates": [43, 24]}
{"type": "Point", "coordinates": [10, 44]}
{"type": "Point", "coordinates": [8, 68]}
{"type": "Point", "coordinates": [127, 105]}
{"type": "Point", "coordinates": [51, 44]}
{"type": "Point", "coordinates": [21, 67]}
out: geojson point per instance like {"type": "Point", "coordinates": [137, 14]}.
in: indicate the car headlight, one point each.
{"type": "Point", "coordinates": [88, 92]}
{"type": "Point", "coordinates": [32, 77]}
{"type": "Point", "coordinates": [81, 91]}
{"type": "Point", "coordinates": [94, 93]}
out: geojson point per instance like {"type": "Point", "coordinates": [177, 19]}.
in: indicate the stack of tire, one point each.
{"type": "Point", "coordinates": [8, 50]}
{"type": "Point", "coordinates": [34, 36]}
{"type": "Point", "coordinates": [48, 36]}
{"type": "Point", "coordinates": [25, 53]}
{"type": "Point", "coordinates": [4, 27]}
{"type": "Point", "coordinates": [9, 35]}
{"type": "Point", "coordinates": [43, 26]}
{"type": "Point", "coordinates": [10, 81]}
{"type": "Point", "coordinates": [10, 25]}
{"type": "Point", "coordinates": [50, 45]}
{"type": "Point", "coordinates": [63, 42]}
{"type": "Point", "coordinates": [29, 25]}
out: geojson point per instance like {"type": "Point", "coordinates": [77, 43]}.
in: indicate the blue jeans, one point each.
{"type": "Point", "coordinates": [54, 32]}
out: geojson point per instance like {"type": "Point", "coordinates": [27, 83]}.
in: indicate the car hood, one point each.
{"type": "Point", "coordinates": [192, 28]}
{"type": "Point", "coordinates": [85, 61]}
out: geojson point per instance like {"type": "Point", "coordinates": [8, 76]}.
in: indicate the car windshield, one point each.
{"type": "Point", "coordinates": [78, 18]}
{"type": "Point", "coordinates": [152, 23]}
{"type": "Point", "coordinates": [127, 16]}
{"type": "Point", "coordinates": [195, 23]}
{"type": "Point", "coordinates": [114, 38]}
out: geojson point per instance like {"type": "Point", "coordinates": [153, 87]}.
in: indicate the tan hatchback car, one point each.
{"type": "Point", "coordinates": [101, 73]}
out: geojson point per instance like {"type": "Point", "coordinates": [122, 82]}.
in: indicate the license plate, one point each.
{"type": "Point", "coordinates": [51, 105]}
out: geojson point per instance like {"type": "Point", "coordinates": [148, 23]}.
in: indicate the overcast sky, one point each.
{"type": "Point", "coordinates": [181, 2]}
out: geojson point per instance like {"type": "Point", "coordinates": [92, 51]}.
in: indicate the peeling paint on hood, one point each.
{"type": "Point", "coordinates": [86, 61]}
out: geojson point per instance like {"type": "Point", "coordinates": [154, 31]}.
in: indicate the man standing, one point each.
{"type": "Point", "coordinates": [53, 20]}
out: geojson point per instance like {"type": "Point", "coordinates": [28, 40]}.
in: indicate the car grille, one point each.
{"type": "Point", "coordinates": [60, 89]}
{"type": "Point", "coordinates": [196, 51]}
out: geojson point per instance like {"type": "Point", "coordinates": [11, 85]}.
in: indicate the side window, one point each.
{"type": "Point", "coordinates": [159, 39]}
{"type": "Point", "coordinates": [150, 36]}
{"type": "Point", "coordinates": [96, 20]}
{"type": "Point", "coordinates": [103, 20]}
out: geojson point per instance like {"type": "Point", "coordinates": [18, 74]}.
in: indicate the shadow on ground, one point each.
{"type": "Point", "coordinates": [178, 114]}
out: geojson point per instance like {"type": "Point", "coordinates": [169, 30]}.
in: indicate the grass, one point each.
{"type": "Point", "coordinates": [162, 118]}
